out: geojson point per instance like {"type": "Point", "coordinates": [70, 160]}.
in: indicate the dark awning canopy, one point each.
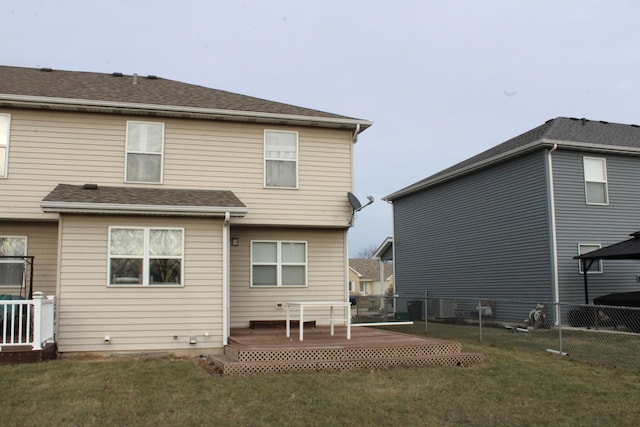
{"type": "Point", "coordinates": [627, 249]}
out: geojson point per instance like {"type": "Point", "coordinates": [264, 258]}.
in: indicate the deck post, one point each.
{"type": "Point", "coordinates": [37, 322]}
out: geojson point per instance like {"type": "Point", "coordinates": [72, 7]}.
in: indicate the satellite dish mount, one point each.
{"type": "Point", "coordinates": [356, 205]}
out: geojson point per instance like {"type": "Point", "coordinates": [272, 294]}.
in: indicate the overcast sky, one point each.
{"type": "Point", "coordinates": [441, 80]}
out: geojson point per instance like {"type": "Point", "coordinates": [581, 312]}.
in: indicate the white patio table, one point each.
{"type": "Point", "coordinates": [330, 304]}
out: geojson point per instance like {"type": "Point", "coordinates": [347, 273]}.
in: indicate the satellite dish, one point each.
{"type": "Point", "coordinates": [355, 203]}
{"type": "Point", "coordinates": [353, 200]}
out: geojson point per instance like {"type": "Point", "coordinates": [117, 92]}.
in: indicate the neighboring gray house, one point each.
{"type": "Point", "coordinates": [508, 222]}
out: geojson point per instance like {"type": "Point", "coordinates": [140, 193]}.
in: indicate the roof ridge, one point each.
{"type": "Point", "coordinates": [65, 89]}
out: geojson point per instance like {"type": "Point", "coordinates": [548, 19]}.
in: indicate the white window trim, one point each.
{"type": "Point", "coordinates": [145, 259]}
{"type": "Point", "coordinates": [265, 159]}
{"type": "Point", "coordinates": [605, 182]}
{"type": "Point", "coordinates": [8, 261]}
{"type": "Point", "coordinates": [6, 146]}
{"type": "Point", "coordinates": [352, 286]}
{"type": "Point", "coordinates": [127, 152]}
{"type": "Point", "coordinates": [279, 264]}
{"type": "Point", "coordinates": [363, 288]}
{"type": "Point", "coordinates": [591, 270]}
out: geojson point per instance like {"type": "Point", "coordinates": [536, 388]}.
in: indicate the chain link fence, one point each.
{"type": "Point", "coordinates": [603, 335]}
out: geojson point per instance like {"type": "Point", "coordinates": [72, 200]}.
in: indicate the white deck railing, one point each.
{"type": "Point", "coordinates": [27, 322]}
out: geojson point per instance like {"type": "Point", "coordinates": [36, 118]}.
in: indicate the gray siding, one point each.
{"type": "Point", "coordinates": [578, 222]}
{"type": "Point", "coordinates": [484, 235]}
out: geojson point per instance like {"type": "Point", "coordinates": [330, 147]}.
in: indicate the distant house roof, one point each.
{"type": "Point", "coordinates": [385, 250]}
{"type": "Point", "coordinates": [369, 268]}
{"type": "Point", "coordinates": [132, 94]}
{"type": "Point", "coordinates": [581, 134]}
{"type": "Point", "coordinates": [91, 198]}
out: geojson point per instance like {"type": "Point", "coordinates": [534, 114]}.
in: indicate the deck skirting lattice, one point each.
{"type": "Point", "coordinates": [270, 352]}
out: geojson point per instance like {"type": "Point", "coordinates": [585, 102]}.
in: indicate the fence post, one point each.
{"type": "Point", "coordinates": [480, 319]}
{"type": "Point", "coordinates": [559, 322]}
{"type": "Point", "coordinates": [424, 307]}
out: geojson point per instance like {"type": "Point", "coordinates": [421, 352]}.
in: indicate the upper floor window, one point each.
{"type": "Point", "coordinates": [5, 122]}
{"type": "Point", "coordinates": [585, 248]}
{"type": "Point", "coordinates": [145, 256]}
{"type": "Point", "coordinates": [595, 181]}
{"type": "Point", "coordinates": [276, 263]}
{"type": "Point", "coordinates": [145, 147]}
{"type": "Point", "coordinates": [280, 159]}
{"type": "Point", "coordinates": [12, 269]}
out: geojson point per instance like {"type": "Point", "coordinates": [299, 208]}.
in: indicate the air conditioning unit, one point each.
{"type": "Point", "coordinates": [445, 308]}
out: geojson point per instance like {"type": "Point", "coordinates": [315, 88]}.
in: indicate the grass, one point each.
{"type": "Point", "coordinates": [595, 347]}
{"type": "Point", "coordinates": [516, 386]}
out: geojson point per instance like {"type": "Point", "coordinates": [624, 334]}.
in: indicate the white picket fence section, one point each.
{"type": "Point", "coordinates": [27, 322]}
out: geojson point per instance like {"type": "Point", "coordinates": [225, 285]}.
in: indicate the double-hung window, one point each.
{"type": "Point", "coordinates": [146, 256]}
{"type": "Point", "coordinates": [595, 181]}
{"type": "Point", "coordinates": [280, 159]}
{"type": "Point", "coordinates": [12, 269]}
{"type": "Point", "coordinates": [278, 263]}
{"type": "Point", "coordinates": [145, 147]}
{"type": "Point", "coordinates": [585, 248]}
{"type": "Point", "coordinates": [5, 124]}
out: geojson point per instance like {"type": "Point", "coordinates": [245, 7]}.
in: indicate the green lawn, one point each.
{"type": "Point", "coordinates": [516, 386]}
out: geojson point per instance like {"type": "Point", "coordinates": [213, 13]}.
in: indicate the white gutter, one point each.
{"type": "Point", "coordinates": [462, 171]}
{"type": "Point", "coordinates": [509, 154]}
{"type": "Point", "coordinates": [554, 237]}
{"type": "Point", "coordinates": [71, 207]}
{"type": "Point", "coordinates": [225, 279]}
{"type": "Point", "coordinates": [35, 101]}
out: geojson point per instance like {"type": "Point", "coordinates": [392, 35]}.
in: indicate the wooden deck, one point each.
{"type": "Point", "coordinates": [258, 351]}
{"type": "Point", "coordinates": [26, 354]}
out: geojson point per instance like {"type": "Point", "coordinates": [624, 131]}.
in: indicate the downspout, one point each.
{"type": "Point", "coordinates": [225, 279]}
{"type": "Point", "coordinates": [354, 138]}
{"type": "Point", "coordinates": [554, 237]}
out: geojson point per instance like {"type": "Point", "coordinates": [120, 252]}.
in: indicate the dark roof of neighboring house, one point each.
{"type": "Point", "coordinates": [565, 132]}
{"type": "Point", "coordinates": [369, 268]}
{"type": "Point", "coordinates": [99, 89]}
{"type": "Point", "coordinates": [91, 198]}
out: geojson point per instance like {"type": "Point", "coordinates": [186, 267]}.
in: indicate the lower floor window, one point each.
{"type": "Point", "coordinates": [585, 248]}
{"type": "Point", "coordinates": [146, 256]}
{"type": "Point", "coordinates": [278, 263]}
{"type": "Point", "coordinates": [12, 269]}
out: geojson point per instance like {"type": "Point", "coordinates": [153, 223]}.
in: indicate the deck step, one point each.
{"type": "Point", "coordinates": [230, 367]}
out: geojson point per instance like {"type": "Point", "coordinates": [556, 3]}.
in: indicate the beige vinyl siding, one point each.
{"type": "Point", "coordinates": [42, 243]}
{"type": "Point", "coordinates": [48, 148]}
{"type": "Point", "coordinates": [327, 275]}
{"type": "Point", "coordinates": [138, 319]}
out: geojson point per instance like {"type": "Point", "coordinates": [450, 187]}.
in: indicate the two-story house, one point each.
{"type": "Point", "coordinates": [161, 214]}
{"type": "Point", "coordinates": [508, 222]}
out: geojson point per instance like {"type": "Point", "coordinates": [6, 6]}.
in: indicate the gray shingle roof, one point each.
{"type": "Point", "coordinates": [566, 132]}
{"type": "Point", "coordinates": [93, 198]}
{"type": "Point", "coordinates": [369, 268]}
{"type": "Point", "coordinates": [147, 90]}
